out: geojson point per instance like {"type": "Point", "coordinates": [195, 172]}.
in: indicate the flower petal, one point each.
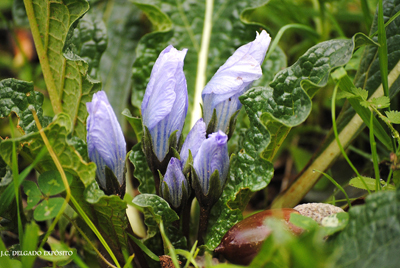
{"type": "Point", "coordinates": [174, 179]}
{"type": "Point", "coordinates": [193, 140]}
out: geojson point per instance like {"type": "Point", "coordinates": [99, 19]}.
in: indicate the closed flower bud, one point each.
{"type": "Point", "coordinates": [193, 141]}
{"type": "Point", "coordinates": [174, 185]}
{"type": "Point", "coordinates": [231, 80]}
{"type": "Point", "coordinates": [105, 140]}
{"type": "Point", "coordinates": [212, 156]}
{"type": "Point", "coordinates": [165, 102]}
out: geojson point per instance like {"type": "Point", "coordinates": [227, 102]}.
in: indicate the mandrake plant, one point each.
{"type": "Point", "coordinates": [150, 125]}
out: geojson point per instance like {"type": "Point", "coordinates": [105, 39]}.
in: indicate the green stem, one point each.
{"type": "Point", "coordinates": [16, 180]}
{"type": "Point", "coordinates": [44, 61]}
{"type": "Point", "coordinates": [374, 152]}
{"type": "Point", "coordinates": [202, 62]}
{"type": "Point", "coordinates": [337, 185]}
{"type": "Point", "coordinates": [334, 126]}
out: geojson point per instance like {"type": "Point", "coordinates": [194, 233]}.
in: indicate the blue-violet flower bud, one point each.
{"type": "Point", "coordinates": [212, 155]}
{"type": "Point", "coordinates": [193, 141]}
{"type": "Point", "coordinates": [165, 101]}
{"type": "Point", "coordinates": [105, 140]}
{"type": "Point", "coordinates": [233, 79]}
{"type": "Point", "coordinates": [174, 178]}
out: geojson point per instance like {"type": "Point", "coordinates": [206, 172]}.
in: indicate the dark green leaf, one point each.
{"type": "Point", "coordinates": [18, 97]}
{"type": "Point", "coordinates": [57, 132]}
{"type": "Point", "coordinates": [125, 27]}
{"type": "Point", "coordinates": [154, 209]}
{"type": "Point", "coordinates": [33, 193]}
{"type": "Point", "coordinates": [142, 171]}
{"type": "Point", "coordinates": [51, 183]}
{"type": "Point", "coordinates": [48, 209]}
{"type": "Point", "coordinates": [372, 236]}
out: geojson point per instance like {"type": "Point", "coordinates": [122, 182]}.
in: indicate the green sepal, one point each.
{"type": "Point", "coordinates": [188, 164]}
{"type": "Point", "coordinates": [212, 125]}
{"type": "Point", "coordinates": [206, 201]}
{"type": "Point", "coordinates": [135, 122]}
{"type": "Point", "coordinates": [232, 124]}
{"type": "Point", "coordinates": [112, 184]}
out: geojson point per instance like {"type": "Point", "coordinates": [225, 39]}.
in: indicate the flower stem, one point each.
{"type": "Point", "coordinates": [204, 216]}
{"type": "Point", "coordinates": [202, 62]}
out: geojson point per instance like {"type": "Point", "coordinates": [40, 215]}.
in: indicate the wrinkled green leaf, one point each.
{"type": "Point", "coordinates": [57, 132]}
{"type": "Point", "coordinates": [48, 209]}
{"type": "Point", "coordinates": [181, 23]}
{"type": "Point", "coordinates": [55, 21]}
{"type": "Point", "coordinates": [17, 97]}
{"type": "Point", "coordinates": [32, 191]}
{"type": "Point", "coordinates": [108, 213]}
{"type": "Point", "coordinates": [372, 236]}
{"type": "Point", "coordinates": [154, 209]}
{"type": "Point", "coordinates": [51, 183]}
{"type": "Point", "coordinates": [142, 171]}
{"type": "Point", "coordinates": [272, 111]}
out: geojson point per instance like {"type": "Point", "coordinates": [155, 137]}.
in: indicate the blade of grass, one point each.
{"type": "Point", "coordinates": [366, 13]}
{"type": "Point", "coordinates": [382, 52]}
{"type": "Point", "coordinates": [15, 179]}
{"type": "Point", "coordinates": [68, 197]}
{"type": "Point", "coordinates": [171, 249]}
{"type": "Point", "coordinates": [337, 185]}
{"type": "Point", "coordinates": [334, 126]}
{"type": "Point", "coordinates": [145, 249]}
{"type": "Point", "coordinates": [374, 152]}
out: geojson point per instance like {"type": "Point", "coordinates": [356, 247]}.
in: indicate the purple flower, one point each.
{"type": "Point", "coordinates": [212, 155]}
{"type": "Point", "coordinates": [193, 141]}
{"type": "Point", "coordinates": [175, 180]}
{"type": "Point", "coordinates": [165, 102]}
{"type": "Point", "coordinates": [105, 140]}
{"type": "Point", "coordinates": [233, 79]}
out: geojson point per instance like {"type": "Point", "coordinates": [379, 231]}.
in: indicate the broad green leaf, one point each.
{"type": "Point", "coordinates": [124, 24]}
{"type": "Point", "coordinates": [108, 213]}
{"type": "Point", "coordinates": [68, 72]}
{"type": "Point", "coordinates": [154, 209]}
{"type": "Point", "coordinates": [142, 171]}
{"type": "Point", "coordinates": [51, 183]}
{"type": "Point", "coordinates": [272, 111]}
{"type": "Point", "coordinates": [48, 209]}
{"type": "Point", "coordinates": [276, 62]}
{"type": "Point", "coordinates": [370, 182]}
{"type": "Point", "coordinates": [89, 41]}
{"type": "Point", "coordinates": [393, 117]}
{"type": "Point", "coordinates": [18, 97]}
{"type": "Point", "coordinates": [372, 236]}
{"type": "Point", "coordinates": [183, 24]}
{"type": "Point", "coordinates": [32, 191]}
{"type": "Point", "coordinates": [57, 132]}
